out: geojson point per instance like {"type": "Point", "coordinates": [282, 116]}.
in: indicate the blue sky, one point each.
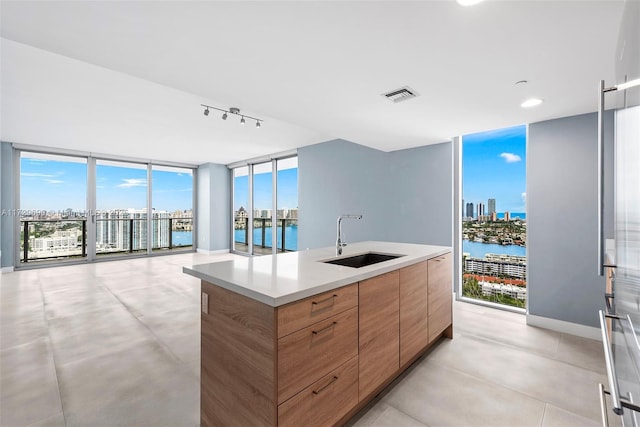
{"type": "Point", "coordinates": [287, 190]}
{"type": "Point", "coordinates": [494, 167]}
{"type": "Point", "coordinates": [50, 184]}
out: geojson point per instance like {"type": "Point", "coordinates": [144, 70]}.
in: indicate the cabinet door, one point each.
{"type": "Point", "coordinates": [440, 293]}
{"type": "Point", "coordinates": [414, 335]}
{"type": "Point", "coordinates": [378, 311]}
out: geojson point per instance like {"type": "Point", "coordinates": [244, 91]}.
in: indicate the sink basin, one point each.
{"type": "Point", "coordinates": [362, 260]}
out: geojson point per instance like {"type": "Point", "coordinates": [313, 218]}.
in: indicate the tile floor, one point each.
{"type": "Point", "coordinates": [117, 344]}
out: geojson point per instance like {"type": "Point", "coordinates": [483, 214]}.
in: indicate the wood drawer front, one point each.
{"type": "Point", "coordinates": [309, 354]}
{"type": "Point", "coordinates": [300, 314]}
{"type": "Point", "coordinates": [324, 402]}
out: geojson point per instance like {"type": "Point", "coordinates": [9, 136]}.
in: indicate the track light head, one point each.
{"type": "Point", "coordinates": [242, 120]}
{"type": "Point", "coordinates": [224, 116]}
{"type": "Point", "coordinates": [206, 111]}
{"type": "Point", "coordinates": [257, 123]}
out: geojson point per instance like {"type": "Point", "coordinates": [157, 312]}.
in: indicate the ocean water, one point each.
{"type": "Point", "coordinates": [182, 238]}
{"type": "Point", "coordinates": [290, 237]}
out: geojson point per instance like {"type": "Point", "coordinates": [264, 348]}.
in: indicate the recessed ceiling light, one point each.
{"type": "Point", "coordinates": [532, 102]}
{"type": "Point", "coordinates": [468, 2]}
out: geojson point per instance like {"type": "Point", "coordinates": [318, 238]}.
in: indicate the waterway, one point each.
{"type": "Point", "coordinates": [290, 237]}
{"type": "Point", "coordinates": [478, 250]}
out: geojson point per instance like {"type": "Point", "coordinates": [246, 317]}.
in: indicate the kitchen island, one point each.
{"type": "Point", "coordinates": [293, 340]}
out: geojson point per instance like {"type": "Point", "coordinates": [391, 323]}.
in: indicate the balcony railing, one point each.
{"type": "Point", "coordinates": [67, 239]}
{"type": "Point", "coordinates": [262, 240]}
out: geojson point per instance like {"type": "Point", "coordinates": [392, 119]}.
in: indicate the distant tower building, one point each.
{"type": "Point", "coordinates": [494, 217]}
{"type": "Point", "coordinates": [507, 216]}
{"type": "Point", "coordinates": [480, 210]}
{"type": "Point", "coordinates": [492, 206]}
{"type": "Point", "coordinates": [469, 210]}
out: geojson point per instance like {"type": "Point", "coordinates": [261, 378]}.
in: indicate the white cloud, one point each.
{"type": "Point", "coordinates": [524, 197]}
{"type": "Point", "coordinates": [53, 181]}
{"type": "Point", "coordinates": [35, 174]}
{"type": "Point", "coordinates": [510, 157]}
{"type": "Point", "coordinates": [133, 182]}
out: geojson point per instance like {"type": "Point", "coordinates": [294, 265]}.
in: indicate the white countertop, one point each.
{"type": "Point", "coordinates": [280, 279]}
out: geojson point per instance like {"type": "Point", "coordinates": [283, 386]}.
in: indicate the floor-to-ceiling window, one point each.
{"type": "Point", "coordinates": [121, 208]}
{"type": "Point", "coordinates": [262, 208]}
{"type": "Point", "coordinates": [53, 216]}
{"type": "Point", "coordinates": [172, 207]}
{"type": "Point", "coordinates": [287, 209]}
{"type": "Point", "coordinates": [262, 198]}
{"type": "Point", "coordinates": [79, 207]}
{"type": "Point", "coordinates": [240, 240]}
{"type": "Point", "coordinates": [494, 262]}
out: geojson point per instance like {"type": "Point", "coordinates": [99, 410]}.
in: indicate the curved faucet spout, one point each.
{"type": "Point", "coordinates": [339, 243]}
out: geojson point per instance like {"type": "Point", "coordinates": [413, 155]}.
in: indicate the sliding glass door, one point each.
{"type": "Point", "coordinates": [121, 208]}
{"type": "Point", "coordinates": [265, 207]}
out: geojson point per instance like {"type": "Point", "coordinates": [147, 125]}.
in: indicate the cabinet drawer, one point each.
{"type": "Point", "coordinates": [324, 402]}
{"type": "Point", "coordinates": [300, 314]}
{"type": "Point", "coordinates": [439, 316]}
{"type": "Point", "coordinates": [309, 354]}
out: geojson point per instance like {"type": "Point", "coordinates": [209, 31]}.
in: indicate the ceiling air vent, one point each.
{"type": "Point", "coordinates": [401, 94]}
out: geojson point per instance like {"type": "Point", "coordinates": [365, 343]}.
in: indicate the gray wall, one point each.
{"type": "Point", "coordinates": [339, 177]}
{"type": "Point", "coordinates": [214, 207]}
{"type": "Point", "coordinates": [402, 194]}
{"type": "Point", "coordinates": [562, 218]}
{"type": "Point", "coordinates": [421, 196]}
{"type": "Point", "coordinates": [7, 185]}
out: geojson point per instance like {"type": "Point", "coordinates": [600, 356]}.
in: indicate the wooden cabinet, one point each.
{"type": "Point", "coordinates": [378, 305]}
{"type": "Point", "coordinates": [439, 296]}
{"type": "Point", "coordinates": [316, 361]}
{"type": "Point", "coordinates": [414, 333]}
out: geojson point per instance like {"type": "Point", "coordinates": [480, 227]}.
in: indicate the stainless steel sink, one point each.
{"type": "Point", "coordinates": [363, 260]}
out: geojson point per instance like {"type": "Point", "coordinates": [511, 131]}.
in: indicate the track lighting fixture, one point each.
{"type": "Point", "coordinates": [232, 110]}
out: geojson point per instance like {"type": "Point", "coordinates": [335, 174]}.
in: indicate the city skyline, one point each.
{"type": "Point", "coordinates": [494, 167]}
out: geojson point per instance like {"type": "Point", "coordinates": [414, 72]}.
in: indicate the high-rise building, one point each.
{"type": "Point", "coordinates": [491, 206]}
{"type": "Point", "coordinates": [480, 210]}
{"type": "Point", "coordinates": [507, 216]}
{"type": "Point", "coordinates": [469, 210]}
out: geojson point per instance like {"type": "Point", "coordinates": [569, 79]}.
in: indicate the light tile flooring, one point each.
{"type": "Point", "coordinates": [117, 344]}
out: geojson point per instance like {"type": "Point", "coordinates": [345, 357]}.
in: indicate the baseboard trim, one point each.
{"type": "Point", "coordinates": [217, 252]}
{"type": "Point", "coordinates": [565, 327]}
{"type": "Point", "coordinates": [6, 270]}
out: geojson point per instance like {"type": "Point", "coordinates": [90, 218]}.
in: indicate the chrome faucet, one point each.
{"type": "Point", "coordinates": [339, 243]}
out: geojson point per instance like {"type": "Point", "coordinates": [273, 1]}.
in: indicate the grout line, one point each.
{"type": "Point", "coordinates": [544, 414]}
{"type": "Point", "coordinates": [53, 356]}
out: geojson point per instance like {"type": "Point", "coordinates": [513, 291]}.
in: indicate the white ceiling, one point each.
{"type": "Point", "coordinates": [128, 77]}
